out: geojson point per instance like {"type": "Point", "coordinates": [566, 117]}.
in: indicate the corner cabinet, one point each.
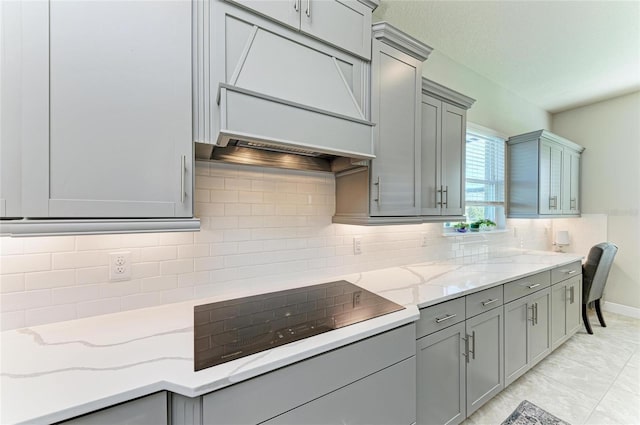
{"type": "Point", "coordinates": [543, 176]}
{"type": "Point", "coordinates": [419, 146]}
{"type": "Point", "coordinates": [107, 127]}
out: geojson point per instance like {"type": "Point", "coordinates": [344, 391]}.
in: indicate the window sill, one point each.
{"type": "Point", "coordinates": [469, 233]}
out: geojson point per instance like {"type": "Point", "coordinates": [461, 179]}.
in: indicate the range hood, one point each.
{"type": "Point", "coordinates": [280, 103]}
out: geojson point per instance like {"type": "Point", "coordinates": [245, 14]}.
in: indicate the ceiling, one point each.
{"type": "Point", "coordinates": [555, 54]}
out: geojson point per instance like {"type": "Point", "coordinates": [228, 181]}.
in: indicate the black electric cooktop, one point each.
{"type": "Point", "coordinates": [231, 329]}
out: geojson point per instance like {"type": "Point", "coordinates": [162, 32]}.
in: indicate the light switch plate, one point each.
{"type": "Point", "coordinates": [357, 245]}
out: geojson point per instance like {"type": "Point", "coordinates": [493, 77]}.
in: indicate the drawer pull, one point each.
{"type": "Point", "coordinates": [447, 317]}
{"type": "Point", "coordinates": [489, 301]}
{"type": "Point", "coordinates": [535, 285]}
{"type": "Point", "coordinates": [570, 272]}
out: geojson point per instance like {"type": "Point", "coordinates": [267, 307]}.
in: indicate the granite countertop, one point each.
{"type": "Point", "coordinates": [55, 372]}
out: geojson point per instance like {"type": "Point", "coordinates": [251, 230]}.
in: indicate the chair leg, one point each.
{"type": "Point", "coordinates": [599, 313]}
{"type": "Point", "coordinates": [585, 319]}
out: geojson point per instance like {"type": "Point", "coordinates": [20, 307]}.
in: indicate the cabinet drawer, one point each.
{"type": "Point", "coordinates": [440, 316]}
{"type": "Point", "coordinates": [484, 300]}
{"type": "Point", "coordinates": [525, 286]}
{"type": "Point", "coordinates": [565, 272]}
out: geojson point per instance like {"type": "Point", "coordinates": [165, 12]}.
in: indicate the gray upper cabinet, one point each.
{"type": "Point", "coordinates": [543, 175]}
{"type": "Point", "coordinates": [444, 113]}
{"type": "Point", "coordinates": [527, 333]}
{"type": "Point", "coordinates": [343, 23]}
{"type": "Point", "coordinates": [109, 131]}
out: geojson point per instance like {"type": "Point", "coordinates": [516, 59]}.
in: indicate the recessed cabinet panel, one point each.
{"type": "Point", "coordinates": [283, 11]}
{"type": "Point", "coordinates": [395, 111]}
{"type": "Point", "coordinates": [550, 178]}
{"type": "Point", "coordinates": [431, 152]}
{"type": "Point", "coordinates": [440, 359]}
{"type": "Point", "coordinates": [539, 330]}
{"type": "Point", "coordinates": [516, 317]}
{"type": "Point", "coordinates": [453, 157]}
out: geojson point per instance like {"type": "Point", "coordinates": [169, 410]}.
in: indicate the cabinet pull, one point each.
{"type": "Point", "coordinates": [447, 317]}
{"type": "Point", "coordinates": [296, 5]}
{"type": "Point", "coordinates": [379, 184]}
{"type": "Point", "coordinates": [555, 202]}
{"type": "Point", "coordinates": [536, 311]}
{"type": "Point", "coordinates": [473, 344]}
{"type": "Point", "coordinates": [570, 271]}
{"type": "Point", "coordinates": [573, 204]}
{"type": "Point", "coordinates": [535, 285]}
{"type": "Point", "coordinates": [466, 348]}
{"type": "Point", "coordinates": [572, 294]}
{"type": "Point", "coordinates": [446, 199]}
{"type": "Point", "coordinates": [489, 301]}
{"type": "Point", "coordinates": [533, 318]}
{"type": "Point", "coordinates": [440, 192]}
{"type": "Point", "coordinates": [308, 11]}
{"type": "Point", "coordinates": [183, 169]}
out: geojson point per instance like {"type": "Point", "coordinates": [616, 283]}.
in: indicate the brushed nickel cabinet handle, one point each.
{"type": "Point", "coordinates": [573, 294]}
{"type": "Point", "coordinates": [574, 204]}
{"type": "Point", "coordinates": [553, 205]}
{"type": "Point", "coordinates": [473, 345]}
{"type": "Point", "coordinates": [489, 301]}
{"type": "Point", "coordinates": [183, 169]}
{"type": "Point", "coordinates": [440, 192]}
{"type": "Point", "coordinates": [466, 348]}
{"type": "Point", "coordinates": [379, 184]}
{"type": "Point", "coordinates": [536, 310]}
{"type": "Point", "coordinates": [446, 199]}
{"type": "Point", "coordinates": [570, 272]}
{"type": "Point", "coordinates": [533, 319]}
{"type": "Point", "coordinates": [308, 11]}
{"type": "Point", "coordinates": [447, 317]}
{"type": "Point", "coordinates": [535, 285]}
{"type": "Point", "coordinates": [296, 5]}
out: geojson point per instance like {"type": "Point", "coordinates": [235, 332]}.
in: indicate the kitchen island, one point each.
{"type": "Point", "coordinates": [59, 371]}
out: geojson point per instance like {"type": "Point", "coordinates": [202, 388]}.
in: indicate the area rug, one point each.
{"type": "Point", "coordinates": [528, 413]}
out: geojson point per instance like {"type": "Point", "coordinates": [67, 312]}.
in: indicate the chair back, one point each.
{"type": "Point", "coordinates": [596, 270]}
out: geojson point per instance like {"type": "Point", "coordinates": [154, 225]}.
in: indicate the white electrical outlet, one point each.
{"type": "Point", "coordinates": [119, 266]}
{"type": "Point", "coordinates": [424, 239]}
{"type": "Point", "coordinates": [357, 245]}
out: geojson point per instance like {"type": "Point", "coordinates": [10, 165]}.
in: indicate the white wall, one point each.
{"type": "Point", "coordinates": [610, 132]}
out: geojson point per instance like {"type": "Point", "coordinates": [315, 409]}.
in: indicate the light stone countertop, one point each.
{"type": "Point", "coordinates": [55, 372]}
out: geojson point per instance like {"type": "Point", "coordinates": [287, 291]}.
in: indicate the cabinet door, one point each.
{"type": "Point", "coordinates": [517, 315]}
{"type": "Point", "coordinates": [395, 172]}
{"type": "Point", "coordinates": [343, 23]}
{"type": "Point", "coordinates": [284, 11]}
{"type": "Point", "coordinates": [485, 359]}
{"type": "Point", "coordinates": [440, 359]}
{"type": "Point", "coordinates": [539, 329]}
{"type": "Point", "coordinates": [431, 195]}
{"type": "Point", "coordinates": [118, 97]}
{"type": "Point", "coordinates": [453, 157]}
{"type": "Point", "coordinates": [394, 387]}
{"type": "Point", "coordinates": [550, 178]}
{"type": "Point", "coordinates": [573, 304]}
{"type": "Point", "coordinates": [571, 182]}
{"type": "Point", "coordinates": [149, 410]}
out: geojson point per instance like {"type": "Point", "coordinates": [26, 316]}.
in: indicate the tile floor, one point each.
{"type": "Point", "coordinates": [590, 379]}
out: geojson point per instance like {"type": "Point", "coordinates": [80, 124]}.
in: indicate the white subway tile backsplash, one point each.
{"type": "Point", "coordinates": [98, 307]}
{"type": "Point", "coordinates": [133, 302]}
{"type": "Point", "coordinates": [256, 224]}
{"type": "Point", "coordinates": [56, 313]}
{"type": "Point", "coordinates": [10, 264]}
{"type": "Point", "coordinates": [75, 260]}
{"type": "Point", "coordinates": [176, 267]}
{"type": "Point", "coordinates": [161, 283]}
{"type": "Point", "coordinates": [26, 300]}
{"type": "Point", "coordinates": [12, 320]}
{"type": "Point", "coordinates": [11, 283]}
{"type": "Point", "coordinates": [50, 279]}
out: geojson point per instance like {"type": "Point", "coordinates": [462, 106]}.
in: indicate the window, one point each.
{"type": "Point", "coordinates": [484, 175]}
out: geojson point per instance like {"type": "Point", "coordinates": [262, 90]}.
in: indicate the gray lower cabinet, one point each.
{"type": "Point", "coordinates": [566, 300]}
{"type": "Point", "coordinates": [527, 333]}
{"type": "Point", "coordinates": [441, 376]}
{"type": "Point", "coordinates": [149, 410]}
{"type": "Point", "coordinates": [340, 386]}
{"type": "Point", "coordinates": [484, 358]}
{"type": "Point", "coordinates": [459, 368]}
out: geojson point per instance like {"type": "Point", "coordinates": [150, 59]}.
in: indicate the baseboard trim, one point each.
{"type": "Point", "coordinates": [624, 310]}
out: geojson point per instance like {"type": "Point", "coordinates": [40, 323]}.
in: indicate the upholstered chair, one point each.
{"type": "Point", "coordinates": [595, 271]}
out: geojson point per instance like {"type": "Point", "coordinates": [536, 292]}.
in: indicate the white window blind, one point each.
{"type": "Point", "coordinates": [484, 175]}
